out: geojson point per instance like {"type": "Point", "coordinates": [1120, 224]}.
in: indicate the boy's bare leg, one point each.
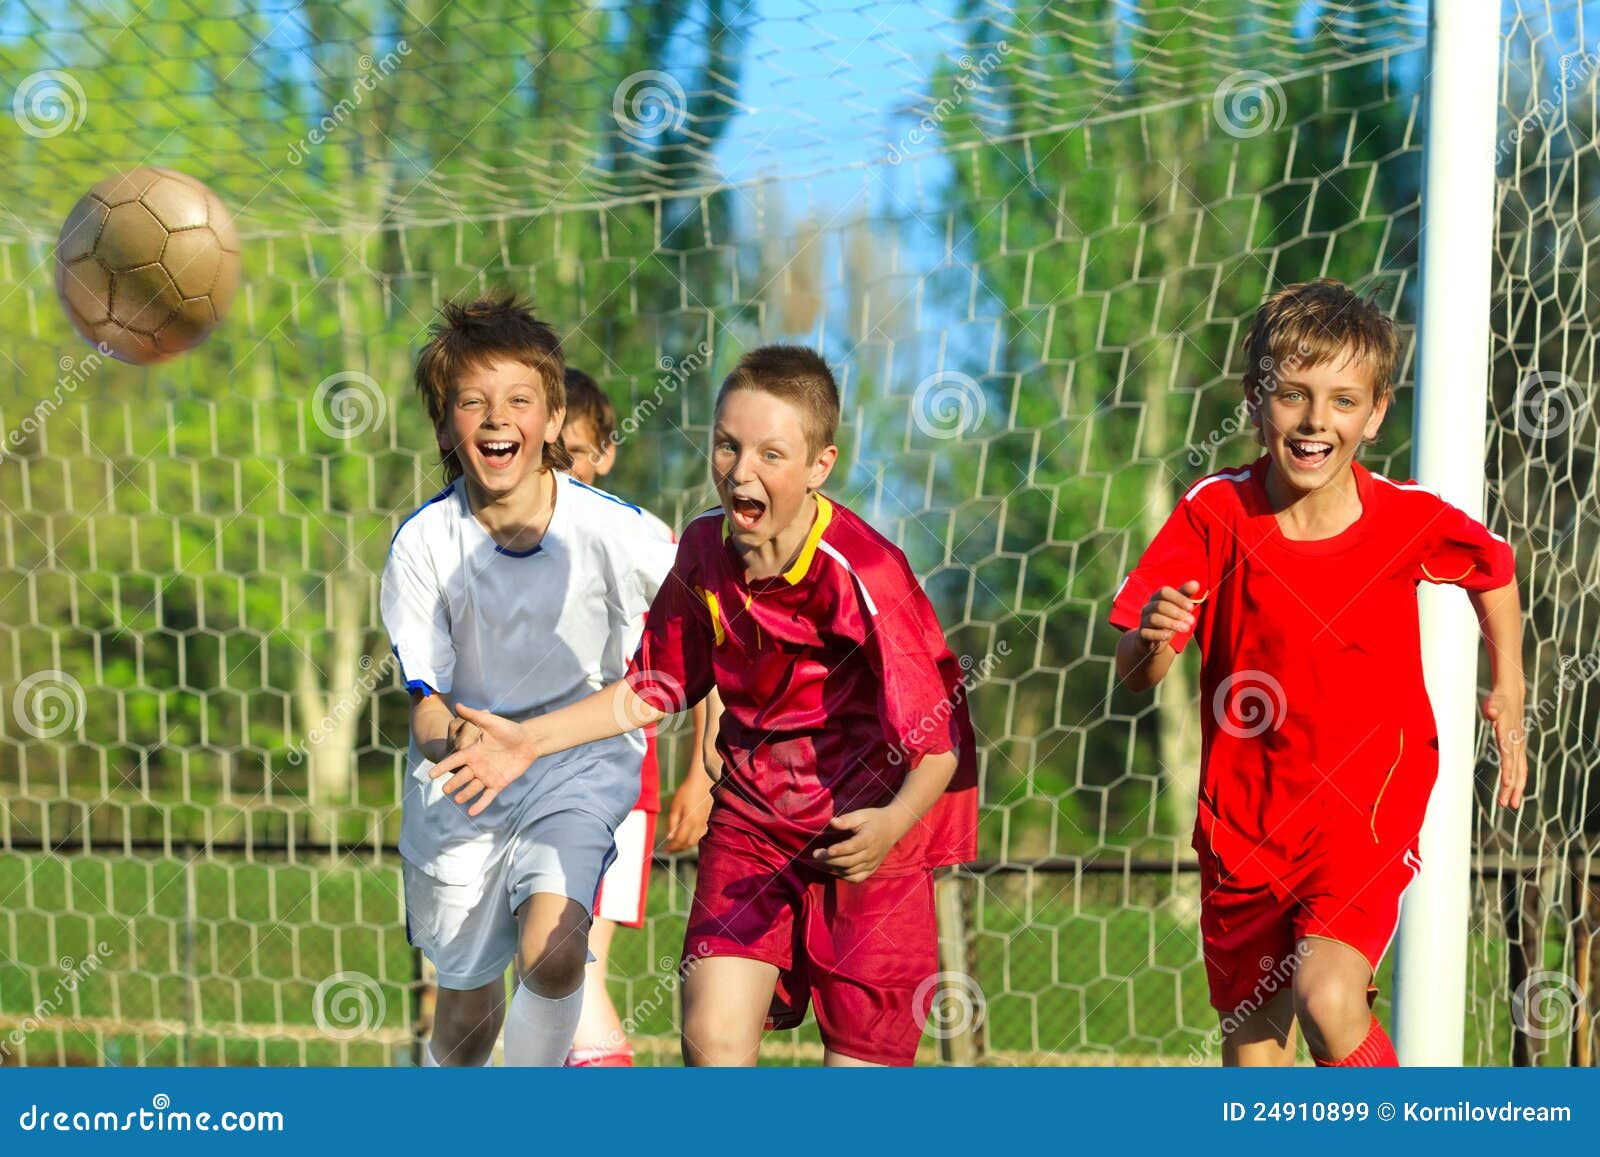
{"type": "Point", "coordinates": [553, 947]}
{"type": "Point", "coordinates": [1330, 997]}
{"type": "Point", "coordinates": [1264, 1037]}
{"type": "Point", "coordinates": [840, 1061]}
{"type": "Point", "coordinates": [466, 1023]}
{"type": "Point", "coordinates": [725, 1003]}
{"type": "Point", "coordinates": [599, 1027]}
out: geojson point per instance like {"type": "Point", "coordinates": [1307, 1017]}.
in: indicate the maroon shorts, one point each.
{"type": "Point", "coordinates": [1251, 930]}
{"type": "Point", "coordinates": [864, 954]}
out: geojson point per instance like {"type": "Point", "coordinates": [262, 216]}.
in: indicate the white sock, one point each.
{"type": "Point", "coordinates": [429, 1061]}
{"type": "Point", "coordinates": [539, 1030]}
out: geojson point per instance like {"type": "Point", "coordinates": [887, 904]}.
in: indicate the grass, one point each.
{"type": "Point", "coordinates": [220, 962]}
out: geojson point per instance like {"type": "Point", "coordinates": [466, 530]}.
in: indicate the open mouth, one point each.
{"type": "Point", "coordinates": [746, 512]}
{"type": "Point", "coordinates": [500, 454]}
{"type": "Point", "coordinates": [1307, 454]}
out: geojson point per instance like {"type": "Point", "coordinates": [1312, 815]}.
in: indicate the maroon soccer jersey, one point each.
{"type": "Point", "coordinates": [1318, 737]}
{"type": "Point", "coordinates": [835, 679]}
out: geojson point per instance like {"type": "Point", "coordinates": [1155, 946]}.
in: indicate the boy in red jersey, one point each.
{"type": "Point", "coordinates": [589, 434]}
{"type": "Point", "coordinates": [1298, 576]}
{"type": "Point", "coordinates": [849, 766]}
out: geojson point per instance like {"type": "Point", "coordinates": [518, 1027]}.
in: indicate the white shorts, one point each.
{"type": "Point", "coordinates": [469, 931]}
{"type": "Point", "coordinates": [626, 882]}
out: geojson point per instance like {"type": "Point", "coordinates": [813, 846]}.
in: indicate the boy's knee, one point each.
{"type": "Point", "coordinates": [1326, 1003]}
{"type": "Point", "coordinates": [710, 1041]}
{"type": "Point", "coordinates": [551, 960]}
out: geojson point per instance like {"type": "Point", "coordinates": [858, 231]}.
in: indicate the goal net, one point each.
{"type": "Point", "coordinates": [1028, 237]}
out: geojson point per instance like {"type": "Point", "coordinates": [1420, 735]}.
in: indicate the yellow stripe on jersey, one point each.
{"type": "Point", "coordinates": [809, 551]}
{"type": "Point", "coordinates": [716, 615]}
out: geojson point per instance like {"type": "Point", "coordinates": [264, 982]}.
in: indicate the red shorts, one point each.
{"type": "Point", "coordinates": [861, 953]}
{"type": "Point", "coordinates": [1250, 932]}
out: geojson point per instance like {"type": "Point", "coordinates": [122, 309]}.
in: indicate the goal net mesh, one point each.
{"type": "Point", "coordinates": [1028, 237]}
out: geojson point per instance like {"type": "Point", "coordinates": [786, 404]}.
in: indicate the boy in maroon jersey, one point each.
{"type": "Point", "coordinates": [1298, 575]}
{"type": "Point", "coordinates": [849, 765]}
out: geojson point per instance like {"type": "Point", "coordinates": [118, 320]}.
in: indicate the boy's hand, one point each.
{"type": "Point", "coordinates": [690, 811]}
{"type": "Point", "coordinates": [1503, 708]}
{"type": "Point", "coordinates": [876, 831]}
{"type": "Point", "coordinates": [1168, 612]}
{"type": "Point", "coordinates": [461, 734]}
{"type": "Point", "coordinates": [487, 767]}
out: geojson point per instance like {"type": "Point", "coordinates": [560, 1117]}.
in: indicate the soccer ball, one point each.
{"type": "Point", "coordinates": [147, 264]}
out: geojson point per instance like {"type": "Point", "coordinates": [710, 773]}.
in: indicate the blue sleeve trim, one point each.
{"type": "Point", "coordinates": [419, 685]}
{"type": "Point", "coordinates": [603, 494]}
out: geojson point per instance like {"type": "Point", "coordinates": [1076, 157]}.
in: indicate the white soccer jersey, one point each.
{"type": "Point", "coordinates": [519, 633]}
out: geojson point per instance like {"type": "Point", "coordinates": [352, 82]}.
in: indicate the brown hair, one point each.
{"type": "Point", "coordinates": [587, 402]}
{"type": "Point", "coordinates": [495, 325]}
{"type": "Point", "coordinates": [1313, 323]}
{"type": "Point", "coordinates": [797, 375]}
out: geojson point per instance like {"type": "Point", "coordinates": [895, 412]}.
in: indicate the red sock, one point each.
{"type": "Point", "coordinates": [1374, 1052]}
{"type": "Point", "coordinates": [602, 1057]}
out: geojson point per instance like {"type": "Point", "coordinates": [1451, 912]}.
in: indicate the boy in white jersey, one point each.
{"type": "Point", "coordinates": [518, 589]}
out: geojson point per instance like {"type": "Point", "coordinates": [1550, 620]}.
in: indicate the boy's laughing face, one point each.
{"type": "Point", "coordinates": [762, 465]}
{"type": "Point", "coordinates": [497, 421]}
{"type": "Point", "coordinates": [1315, 418]}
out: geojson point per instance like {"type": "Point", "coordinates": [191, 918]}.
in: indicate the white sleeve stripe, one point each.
{"type": "Point", "coordinates": [1231, 475]}
{"type": "Point", "coordinates": [828, 548]}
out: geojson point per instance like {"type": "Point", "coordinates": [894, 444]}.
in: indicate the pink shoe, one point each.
{"type": "Point", "coordinates": [601, 1058]}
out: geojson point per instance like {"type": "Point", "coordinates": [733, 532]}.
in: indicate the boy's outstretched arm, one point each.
{"type": "Point", "coordinates": [876, 830]}
{"type": "Point", "coordinates": [507, 749]}
{"type": "Point", "coordinates": [1145, 653]}
{"type": "Point", "coordinates": [1500, 616]}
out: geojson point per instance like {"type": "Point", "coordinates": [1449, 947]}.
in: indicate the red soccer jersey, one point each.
{"type": "Point", "coordinates": [1313, 710]}
{"type": "Point", "coordinates": [834, 676]}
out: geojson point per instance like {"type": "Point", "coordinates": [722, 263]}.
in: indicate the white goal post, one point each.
{"type": "Point", "coordinates": [1453, 338]}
